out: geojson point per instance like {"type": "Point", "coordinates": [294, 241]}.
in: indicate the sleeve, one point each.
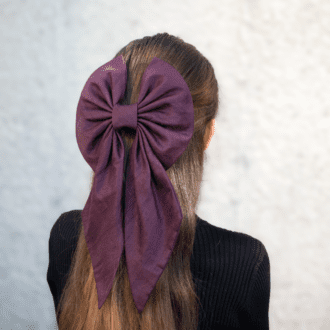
{"type": "Point", "coordinates": [256, 312]}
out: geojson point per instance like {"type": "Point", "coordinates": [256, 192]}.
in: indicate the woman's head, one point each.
{"type": "Point", "coordinates": [194, 68]}
{"type": "Point", "coordinates": [173, 302]}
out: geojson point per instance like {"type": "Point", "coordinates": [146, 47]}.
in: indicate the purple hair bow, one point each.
{"type": "Point", "coordinates": [163, 119]}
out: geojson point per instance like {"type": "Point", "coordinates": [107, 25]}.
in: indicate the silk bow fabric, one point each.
{"type": "Point", "coordinates": [163, 119]}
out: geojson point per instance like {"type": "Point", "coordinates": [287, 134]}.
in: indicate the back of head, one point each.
{"type": "Point", "coordinates": [173, 304]}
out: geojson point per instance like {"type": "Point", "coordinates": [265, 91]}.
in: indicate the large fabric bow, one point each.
{"type": "Point", "coordinates": [163, 119]}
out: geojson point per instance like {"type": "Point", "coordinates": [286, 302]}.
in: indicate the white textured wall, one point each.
{"type": "Point", "coordinates": [267, 172]}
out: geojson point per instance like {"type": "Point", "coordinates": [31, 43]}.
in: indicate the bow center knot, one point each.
{"type": "Point", "coordinates": [124, 115]}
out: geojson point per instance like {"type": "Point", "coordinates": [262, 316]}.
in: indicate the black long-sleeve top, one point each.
{"type": "Point", "coordinates": [231, 271]}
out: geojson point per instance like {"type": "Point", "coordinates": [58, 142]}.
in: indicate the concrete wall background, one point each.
{"type": "Point", "coordinates": [267, 173]}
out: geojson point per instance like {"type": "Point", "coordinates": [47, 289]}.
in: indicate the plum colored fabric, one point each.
{"type": "Point", "coordinates": [163, 119]}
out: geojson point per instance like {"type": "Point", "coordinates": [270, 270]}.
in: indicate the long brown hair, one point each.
{"type": "Point", "coordinates": [173, 303]}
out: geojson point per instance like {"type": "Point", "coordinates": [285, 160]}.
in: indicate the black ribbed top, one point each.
{"type": "Point", "coordinates": [231, 271]}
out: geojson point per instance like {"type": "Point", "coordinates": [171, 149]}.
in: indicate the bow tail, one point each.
{"type": "Point", "coordinates": [153, 218]}
{"type": "Point", "coordinates": [103, 229]}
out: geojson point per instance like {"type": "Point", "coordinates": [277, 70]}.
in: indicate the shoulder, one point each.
{"type": "Point", "coordinates": [224, 241]}
{"type": "Point", "coordinates": [66, 226]}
